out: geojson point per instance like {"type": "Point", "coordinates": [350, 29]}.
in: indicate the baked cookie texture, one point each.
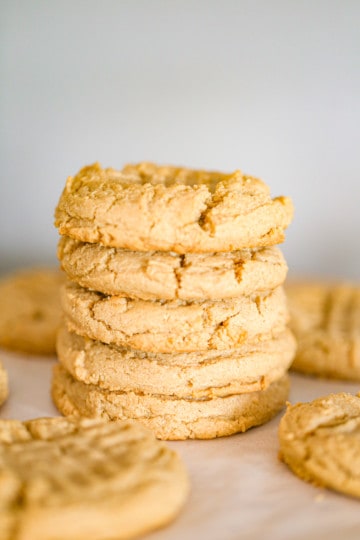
{"type": "Point", "coordinates": [146, 207]}
{"type": "Point", "coordinates": [250, 368]}
{"type": "Point", "coordinates": [174, 311]}
{"type": "Point", "coordinates": [320, 442]}
{"type": "Point", "coordinates": [30, 311]}
{"type": "Point", "coordinates": [76, 478]}
{"type": "Point", "coordinates": [173, 326]}
{"type": "Point", "coordinates": [171, 418]}
{"type": "Point", "coordinates": [325, 318]}
{"type": "Point", "coordinates": [4, 384]}
{"type": "Point", "coordinates": [170, 276]}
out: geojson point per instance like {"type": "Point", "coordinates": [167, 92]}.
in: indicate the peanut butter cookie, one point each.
{"type": "Point", "coordinates": [81, 479]}
{"type": "Point", "coordinates": [325, 318]}
{"type": "Point", "coordinates": [170, 417]}
{"type": "Point", "coordinates": [4, 385]}
{"type": "Point", "coordinates": [169, 276]}
{"type": "Point", "coordinates": [251, 367]}
{"type": "Point", "coordinates": [30, 310]}
{"type": "Point", "coordinates": [320, 442]}
{"type": "Point", "coordinates": [173, 326]}
{"type": "Point", "coordinates": [146, 207]}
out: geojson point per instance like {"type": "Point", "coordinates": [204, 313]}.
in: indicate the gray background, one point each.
{"type": "Point", "coordinates": [271, 87]}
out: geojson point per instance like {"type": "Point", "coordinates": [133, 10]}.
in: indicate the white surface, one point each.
{"type": "Point", "coordinates": [240, 490]}
{"type": "Point", "coordinates": [271, 87]}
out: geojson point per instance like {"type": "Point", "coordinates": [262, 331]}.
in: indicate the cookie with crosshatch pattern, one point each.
{"type": "Point", "coordinates": [325, 318]}
{"type": "Point", "coordinates": [81, 479]}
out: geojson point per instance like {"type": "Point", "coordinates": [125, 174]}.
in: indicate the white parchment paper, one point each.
{"type": "Point", "coordinates": [240, 490]}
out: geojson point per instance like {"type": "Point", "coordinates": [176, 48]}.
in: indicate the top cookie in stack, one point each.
{"type": "Point", "coordinates": [175, 314]}
{"type": "Point", "coordinates": [145, 207]}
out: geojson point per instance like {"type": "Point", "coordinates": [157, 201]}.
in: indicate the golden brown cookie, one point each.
{"type": "Point", "coordinates": [173, 326]}
{"type": "Point", "coordinates": [320, 442]}
{"type": "Point", "coordinates": [325, 318]}
{"type": "Point", "coordinates": [4, 384]}
{"type": "Point", "coordinates": [170, 418]}
{"type": "Point", "coordinates": [30, 311]}
{"type": "Point", "coordinates": [146, 207]}
{"type": "Point", "coordinates": [169, 276]}
{"type": "Point", "coordinates": [250, 368]}
{"type": "Point", "coordinates": [81, 479]}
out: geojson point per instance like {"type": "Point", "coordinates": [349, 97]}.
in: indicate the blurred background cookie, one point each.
{"type": "Point", "coordinates": [4, 384]}
{"type": "Point", "coordinates": [30, 310]}
{"type": "Point", "coordinates": [325, 318]}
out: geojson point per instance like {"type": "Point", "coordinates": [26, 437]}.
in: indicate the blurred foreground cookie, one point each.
{"type": "Point", "coordinates": [170, 417]}
{"type": "Point", "coordinates": [146, 207]}
{"type": "Point", "coordinates": [320, 442]}
{"type": "Point", "coordinates": [30, 311]}
{"type": "Point", "coordinates": [4, 385]}
{"type": "Point", "coordinates": [325, 319]}
{"type": "Point", "coordinates": [173, 326]}
{"type": "Point", "coordinates": [80, 479]}
{"type": "Point", "coordinates": [169, 276]}
{"type": "Point", "coordinates": [250, 368]}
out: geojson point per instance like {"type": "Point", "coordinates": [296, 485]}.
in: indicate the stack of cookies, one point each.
{"type": "Point", "coordinates": [174, 310]}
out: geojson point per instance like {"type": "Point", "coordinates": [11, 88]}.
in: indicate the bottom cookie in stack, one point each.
{"type": "Point", "coordinates": [179, 396]}
{"type": "Point", "coordinates": [171, 418]}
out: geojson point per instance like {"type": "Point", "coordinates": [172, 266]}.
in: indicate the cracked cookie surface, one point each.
{"type": "Point", "coordinates": [155, 274]}
{"type": "Point", "coordinates": [250, 368]}
{"type": "Point", "coordinates": [82, 479]}
{"type": "Point", "coordinates": [171, 418]}
{"type": "Point", "coordinates": [173, 326]}
{"type": "Point", "coordinates": [325, 318]}
{"type": "Point", "coordinates": [320, 442]}
{"type": "Point", "coordinates": [30, 310]}
{"type": "Point", "coordinates": [146, 207]}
